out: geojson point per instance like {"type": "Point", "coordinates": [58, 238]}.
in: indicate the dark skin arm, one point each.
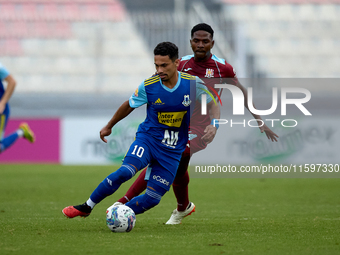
{"type": "Point", "coordinates": [123, 111]}
{"type": "Point", "coordinates": [264, 128]}
{"type": "Point", "coordinates": [210, 130]}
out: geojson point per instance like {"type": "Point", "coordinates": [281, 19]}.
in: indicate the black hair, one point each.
{"type": "Point", "coordinates": [204, 27]}
{"type": "Point", "coordinates": [166, 49]}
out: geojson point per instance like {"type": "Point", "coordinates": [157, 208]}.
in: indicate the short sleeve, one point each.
{"type": "Point", "coordinates": [202, 89]}
{"type": "Point", "coordinates": [3, 72]}
{"type": "Point", "coordinates": [138, 98]}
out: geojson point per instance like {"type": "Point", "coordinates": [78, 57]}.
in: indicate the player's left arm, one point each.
{"type": "Point", "coordinates": [210, 130]}
{"type": "Point", "coordinates": [264, 128]}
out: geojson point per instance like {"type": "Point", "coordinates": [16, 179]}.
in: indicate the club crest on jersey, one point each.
{"type": "Point", "coordinates": [186, 102]}
{"type": "Point", "coordinates": [136, 92]}
{"type": "Point", "coordinates": [209, 73]}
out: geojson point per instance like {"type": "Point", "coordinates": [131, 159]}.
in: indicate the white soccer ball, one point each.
{"type": "Point", "coordinates": [120, 218]}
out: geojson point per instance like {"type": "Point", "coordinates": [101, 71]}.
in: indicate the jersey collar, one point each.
{"type": "Point", "coordinates": [176, 86]}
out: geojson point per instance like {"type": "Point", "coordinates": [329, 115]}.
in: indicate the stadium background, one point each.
{"type": "Point", "coordinates": [76, 62]}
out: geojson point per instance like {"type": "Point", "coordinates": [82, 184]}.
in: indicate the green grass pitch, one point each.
{"type": "Point", "coordinates": [233, 216]}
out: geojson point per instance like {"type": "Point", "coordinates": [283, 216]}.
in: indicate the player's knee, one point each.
{"type": "Point", "coordinates": [123, 174]}
{"type": "Point", "coordinates": [134, 162]}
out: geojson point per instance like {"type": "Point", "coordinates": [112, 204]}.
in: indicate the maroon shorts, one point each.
{"type": "Point", "coordinates": [195, 142]}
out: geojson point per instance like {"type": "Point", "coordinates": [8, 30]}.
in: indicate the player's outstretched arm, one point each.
{"type": "Point", "coordinates": [269, 133]}
{"type": "Point", "coordinates": [123, 111]}
{"type": "Point", "coordinates": [210, 130]}
{"type": "Point", "coordinates": [264, 128]}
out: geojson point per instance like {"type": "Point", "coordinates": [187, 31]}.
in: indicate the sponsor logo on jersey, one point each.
{"type": "Point", "coordinates": [171, 119]}
{"type": "Point", "coordinates": [188, 69]}
{"type": "Point", "coordinates": [136, 92]}
{"type": "Point", "coordinates": [186, 102]}
{"type": "Point", "coordinates": [209, 73]}
{"type": "Point", "coordinates": [161, 180]}
{"type": "Point", "coordinates": [158, 102]}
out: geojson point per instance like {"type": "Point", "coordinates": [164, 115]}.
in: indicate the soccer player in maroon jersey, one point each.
{"type": "Point", "coordinates": [204, 65]}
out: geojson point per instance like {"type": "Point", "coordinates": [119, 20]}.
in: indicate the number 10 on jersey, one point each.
{"type": "Point", "coordinates": [138, 151]}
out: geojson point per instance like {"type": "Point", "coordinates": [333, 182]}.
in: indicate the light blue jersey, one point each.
{"type": "Point", "coordinates": [160, 140]}
{"type": "Point", "coordinates": [168, 110]}
{"type": "Point", "coordinates": [4, 143]}
{"type": "Point", "coordinates": [3, 75]}
{"type": "Point", "coordinates": [3, 115]}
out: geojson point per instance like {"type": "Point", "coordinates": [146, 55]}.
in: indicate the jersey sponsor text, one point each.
{"type": "Point", "coordinates": [171, 119]}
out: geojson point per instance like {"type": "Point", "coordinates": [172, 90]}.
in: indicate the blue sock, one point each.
{"type": "Point", "coordinates": [9, 140]}
{"type": "Point", "coordinates": [151, 198]}
{"type": "Point", "coordinates": [111, 183]}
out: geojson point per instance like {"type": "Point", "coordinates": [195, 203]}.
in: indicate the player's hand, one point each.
{"type": "Point", "coordinates": [210, 132]}
{"type": "Point", "coordinates": [269, 133]}
{"type": "Point", "coordinates": [106, 131]}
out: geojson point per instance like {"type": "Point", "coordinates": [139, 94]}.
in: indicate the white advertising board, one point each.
{"type": "Point", "coordinates": [81, 143]}
{"type": "Point", "coordinates": [313, 140]}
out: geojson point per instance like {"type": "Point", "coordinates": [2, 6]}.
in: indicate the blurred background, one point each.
{"type": "Point", "coordinates": [101, 47]}
{"type": "Point", "coordinates": [85, 57]}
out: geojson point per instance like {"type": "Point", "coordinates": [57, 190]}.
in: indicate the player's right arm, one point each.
{"type": "Point", "coordinates": [11, 83]}
{"type": "Point", "coordinates": [230, 72]}
{"type": "Point", "coordinates": [137, 99]}
{"type": "Point", "coordinates": [123, 111]}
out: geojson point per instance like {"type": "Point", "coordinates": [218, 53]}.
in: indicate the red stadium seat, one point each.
{"type": "Point", "coordinates": [115, 12]}
{"type": "Point", "coordinates": [91, 12]}
{"type": "Point", "coordinates": [51, 12]}
{"type": "Point", "coordinates": [29, 12]}
{"type": "Point", "coordinates": [71, 12]}
{"type": "Point", "coordinates": [62, 29]}
{"type": "Point", "coordinates": [35, 10]}
{"type": "Point", "coordinates": [8, 12]}
{"type": "Point", "coordinates": [3, 30]}
{"type": "Point", "coordinates": [18, 29]}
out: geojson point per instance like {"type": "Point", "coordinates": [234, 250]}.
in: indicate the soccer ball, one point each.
{"type": "Point", "coordinates": [120, 218]}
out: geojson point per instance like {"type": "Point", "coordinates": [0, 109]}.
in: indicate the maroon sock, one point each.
{"type": "Point", "coordinates": [180, 185]}
{"type": "Point", "coordinates": [136, 188]}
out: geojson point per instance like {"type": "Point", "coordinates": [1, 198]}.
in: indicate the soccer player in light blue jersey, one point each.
{"type": "Point", "coordinates": [5, 94]}
{"type": "Point", "coordinates": [162, 137]}
{"type": "Point", "coordinates": [209, 67]}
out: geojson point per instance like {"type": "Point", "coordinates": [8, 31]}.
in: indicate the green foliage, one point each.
{"type": "Point", "coordinates": [233, 216]}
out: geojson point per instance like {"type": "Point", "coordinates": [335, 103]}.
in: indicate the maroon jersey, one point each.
{"type": "Point", "coordinates": [214, 67]}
